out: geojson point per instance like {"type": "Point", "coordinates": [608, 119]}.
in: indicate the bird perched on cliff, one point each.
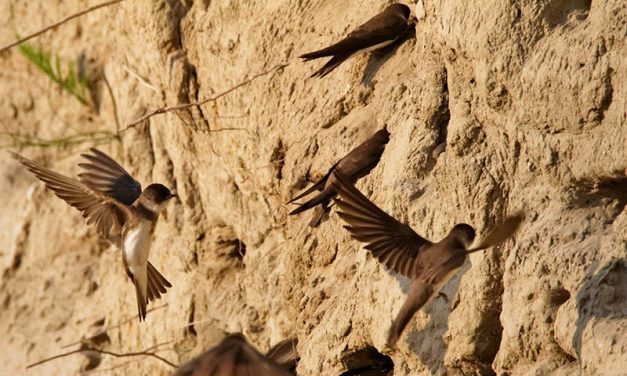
{"type": "Point", "coordinates": [430, 265]}
{"type": "Point", "coordinates": [378, 32]}
{"type": "Point", "coordinates": [122, 213]}
{"type": "Point", "coordinates": [354, 165]}
{"type": "Point", "coordinates": [234, 356]}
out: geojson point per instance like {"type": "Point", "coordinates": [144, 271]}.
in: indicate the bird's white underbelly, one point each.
{"type": "Point", "coordinates": [137, 246]}
{"type": "Point", "coordinates": [377, 46]}
{"type": "Point", "coordinates": [438, 286]}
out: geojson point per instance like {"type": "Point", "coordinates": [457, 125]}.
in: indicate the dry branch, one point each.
{"type": "Point", "coordinates": [21, 140]}
{"type": "Point", "coordinates": [117, 355]}
{"type": "Point", "coordinates": [57, 24]}
{"type": "Point", "coordinates": [108, 328]}
{"type": "Point", "coordinates": [115, 106]}
{"type": "Point", "coordinates": [163, 110]}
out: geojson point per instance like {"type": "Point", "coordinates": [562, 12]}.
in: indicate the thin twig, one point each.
{"type": "Point", "coordinates": [117, 355]}
{"type": "Point", "coordinates": [115, 106]}
{"type": "Point", "coordinates": [57, 24]}
{"type": "Point", "coordinates": [123, 364]}
{"type": "Point", "coordinates": [159, 345]}
{"type": "Point", "coordinates": [228, 129]}
{"type": "Point", "coordinates": [139, 78]}
{"type": "Point", "coordinates": [163, 110]}
{"type": "Point", "coordinates": [230, 116]}
{"type": "Point", "coordinates": [198, 322]}
{"type": "Point", "coordinates": [22, 140]}
{"type": "Point", "coordinates": [104, 330]}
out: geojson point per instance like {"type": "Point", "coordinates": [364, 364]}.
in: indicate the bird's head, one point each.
{"type": "Point", "coordinates": [400, 8]}
{"type": "Point", "coordinates": [155, 197]}
{"type": "Point", "coordinates": [464, 233]}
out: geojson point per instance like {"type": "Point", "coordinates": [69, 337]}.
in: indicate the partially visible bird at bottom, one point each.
{"type": "Point", "coordinates": [234, 356]}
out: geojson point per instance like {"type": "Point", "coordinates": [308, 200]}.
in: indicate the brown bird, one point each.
{"type": "Point", "coordinates": [378, 32]}
{"type": "Point", "coordinates": [285, 354]}
{"type": "Point", "coordinates": [401, 249]}
{"type": "Point", "coordinates": [354, 165]}
{"type": "Point", "coordinates": [122, 213]}
{"type": "Point", "coordinates": [233, 357]}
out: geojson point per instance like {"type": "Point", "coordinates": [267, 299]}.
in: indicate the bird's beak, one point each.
{"type": "Point", "coordinates": [174, 195]}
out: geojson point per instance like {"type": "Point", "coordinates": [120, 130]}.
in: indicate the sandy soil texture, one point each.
{"type": "Point", "coordinates": [493, 106]}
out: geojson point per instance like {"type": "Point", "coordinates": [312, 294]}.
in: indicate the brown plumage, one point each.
{"type": "Point", "coordinates": [378, 32]}
{"type": "Point", "coordinates": [285, 354]}
{"type": "Point", "coordinates": [115, 204]}
{"type": "Point", "coordinates": [232, 357]}
{"type": "Point", "coordinates": [355, 165]}
{"type": "Point", "coordinates": [402, 250]}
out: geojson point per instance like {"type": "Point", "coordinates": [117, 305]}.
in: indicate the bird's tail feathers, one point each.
{"type": "Point", "coordinates": [318, 214]}
{"type": "Point", "coordinates": [157, 284]}
{"type": "Point", "coordinates": [330, 65]}
{"type": "Point", "coordinates": [322, 197]}
{"type": "Point", "coordinates": [141, 300]}
{"type": "Point", "coordinates": [418, 296]}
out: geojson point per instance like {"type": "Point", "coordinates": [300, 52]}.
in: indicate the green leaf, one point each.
{"type": "Point", "coordinates": [75, 86]}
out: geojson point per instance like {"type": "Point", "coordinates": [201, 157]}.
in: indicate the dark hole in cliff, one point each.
{"type": "Point", "coordinates": [560, 11]}
{"type": "Point", "coordinates": [277, 159]}
{"type": "Point", "coordinates": [235, 248]}
{"type": "Point", "coordinates": [190, 321]}
{"type": "Point", "coordinates": [441, 117]}
{"type": "Point", "coordinates": [15, 265]}
{"type": "Point", "coordinates": [94, 359]}
{"type": "Point", "coordinates": [367, 362]}
{"type": "Point", "coordinates": [558, 296]}
{"type": "Point", "coordinates": [17, 261]}
{"type": "Point", "coordinates": [598, 190]}
{"type": "Point", "coordinates": [100, 335]}
{"type": "Point", "coordinates": [194, 259]}
{"type": "Point", "coordinates": [240, 249]}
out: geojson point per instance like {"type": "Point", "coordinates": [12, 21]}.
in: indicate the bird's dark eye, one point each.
{"type": "Point", "coordinates": [166, 194]}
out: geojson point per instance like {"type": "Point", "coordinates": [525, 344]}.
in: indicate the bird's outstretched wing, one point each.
{"type": "Point", "coordinates": [103, 174]}
{"type": "Point", "coordinates": [393, 243]}
{"type": "Point", "coordinates": [104, 212]}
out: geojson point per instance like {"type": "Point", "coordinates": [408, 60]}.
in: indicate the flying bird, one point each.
{"type": "Point", "coordinates": [430, 265]}
{"type": "Point", "coordinates": [233, 357]}
{"type": "Point", "coordinates": [354, 165]}
{"type": "Point", "coordinates": [113, 201]}
{"type": "Point", "coordinates": [378, 32]}
{"type": "Point", "coordinates": [285, 354]}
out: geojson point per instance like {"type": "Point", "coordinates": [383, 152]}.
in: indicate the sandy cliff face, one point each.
{"type": "Point", "coordinates": [527, 99]}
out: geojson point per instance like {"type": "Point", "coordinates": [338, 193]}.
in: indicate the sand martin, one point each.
{"type": "Point", "coordinates": [113, 201]}
{"type": "Point", "coordinates": [401, 249]}
{"type": "Point", "coordinates": [233, 356]}
{"type": "Point", "coordinates": [285, 354]}
{"type": "Point", "coordinates": [354, 165]}
{"type": "Point", "coordinates": [378, 32]}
